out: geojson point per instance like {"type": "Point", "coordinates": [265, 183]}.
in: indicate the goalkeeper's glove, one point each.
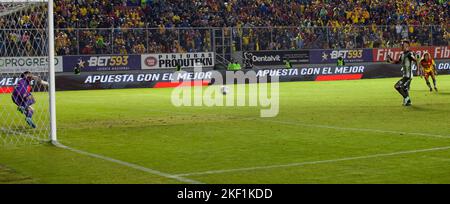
{"type": "Point", "coordinates": [44, 83]}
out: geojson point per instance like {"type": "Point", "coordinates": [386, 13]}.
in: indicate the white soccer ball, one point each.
{"type": "Point", "coordinates": [224, 90]}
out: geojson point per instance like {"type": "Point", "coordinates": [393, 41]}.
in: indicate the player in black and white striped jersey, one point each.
{"type": "Point", "coordinates": [407, 59]}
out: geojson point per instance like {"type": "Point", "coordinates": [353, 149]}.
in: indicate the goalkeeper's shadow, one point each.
{"type": "Point", "coordinates": [434, 92]}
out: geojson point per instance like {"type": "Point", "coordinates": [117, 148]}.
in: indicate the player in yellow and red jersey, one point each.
{"type": "Point", "coordinates": [428, 68]}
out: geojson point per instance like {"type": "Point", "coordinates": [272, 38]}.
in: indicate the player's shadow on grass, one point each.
{"type": "Point", "coordinates": [434, 92]}
{"type": "Point", "coordinates": [418, 108]}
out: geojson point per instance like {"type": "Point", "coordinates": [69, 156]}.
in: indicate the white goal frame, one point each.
{"type": "Point", "coordinates": [51, 55]}
{"type": "Point", "coordinates": [52, 90]}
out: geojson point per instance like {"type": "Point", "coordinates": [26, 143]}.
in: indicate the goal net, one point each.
{"type": "Point", "coordinates": [24, 47]}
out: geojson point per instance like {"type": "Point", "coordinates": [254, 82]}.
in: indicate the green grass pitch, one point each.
{"type": "Point", "coordinates": [326, 132]}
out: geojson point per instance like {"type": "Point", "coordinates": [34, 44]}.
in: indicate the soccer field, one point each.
{"type": "Point", "coordinates": [326, 132]}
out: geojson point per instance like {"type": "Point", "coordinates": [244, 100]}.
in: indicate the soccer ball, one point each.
{"type": "Point", "coordinates": [224, 90]}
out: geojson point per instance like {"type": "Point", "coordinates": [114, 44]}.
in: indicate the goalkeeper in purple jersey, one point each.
{"type": "Point", "coordinates": [23, 98]}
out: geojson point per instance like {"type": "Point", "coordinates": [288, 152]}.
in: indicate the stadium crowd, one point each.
{"type": "Point", "coordinates": [149, 26]}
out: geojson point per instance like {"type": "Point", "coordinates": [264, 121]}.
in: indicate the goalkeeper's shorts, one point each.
{"type": "Point", "coordinates": [23, 101]}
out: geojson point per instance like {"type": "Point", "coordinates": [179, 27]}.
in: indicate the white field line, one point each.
{"type": "Point", "coordinates": [123, 163]}
{"type": "Point", "coordinates": [313, 162]}
{"type": "Point", "coordinates": [131, 165]}
{"type": "Point", "coordinates": [299, 123]}
{"type": "Point", "coordinates": [180, 177]}
{"type": "Point", "coordinates": [352, 129]}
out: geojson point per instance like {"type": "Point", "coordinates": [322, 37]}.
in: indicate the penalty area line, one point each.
{"type": "Point", "coordinates": [127, 164]}
{"type": "Point", "coordinates": [123, 163]}
{"type": "Point", "coordinates": [299, 123]}
{"type": "Point", "coordinates": [314, 162]}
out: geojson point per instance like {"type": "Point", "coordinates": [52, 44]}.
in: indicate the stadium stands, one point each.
{"type": "Point", "coordinates": [151, 26]}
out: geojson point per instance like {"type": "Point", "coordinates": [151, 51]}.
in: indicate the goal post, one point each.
{"type": "Point", "coordinates": [52, 89]}
{"type": "Point", "coordinates": [27, 44]}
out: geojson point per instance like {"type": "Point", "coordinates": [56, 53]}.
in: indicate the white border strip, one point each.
{"type": "Point", "coordinates": [312, 162]}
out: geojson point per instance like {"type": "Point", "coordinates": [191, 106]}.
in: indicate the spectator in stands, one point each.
{"type": "Point", "coordinates": [396, 20]}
